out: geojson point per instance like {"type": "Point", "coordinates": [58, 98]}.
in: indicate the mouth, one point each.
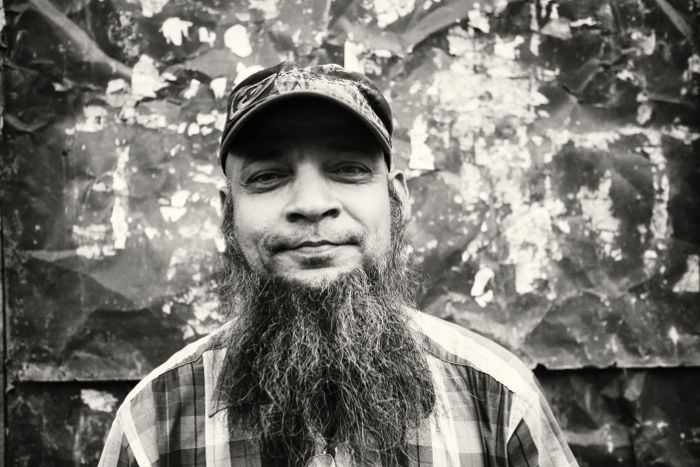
{"type": "Point", "coordinates": [316, 247]}
{"type": "Point", "coordinates": [314, 244]}
{"type": "Point", "coordinates": [311, 252]}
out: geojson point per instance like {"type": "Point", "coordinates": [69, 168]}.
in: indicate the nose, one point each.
{"type": "Point", "coordinates": [312, 198]}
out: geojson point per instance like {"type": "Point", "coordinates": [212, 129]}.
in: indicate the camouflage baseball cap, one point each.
{"type": "Point", "coordinates": [351, 90]}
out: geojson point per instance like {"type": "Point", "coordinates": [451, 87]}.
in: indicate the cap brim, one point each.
{"type": "Point", "coordinates": [242, 119]}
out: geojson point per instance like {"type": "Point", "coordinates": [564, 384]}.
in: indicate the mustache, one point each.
{"type": "Point", "coordinates": [276, 243]}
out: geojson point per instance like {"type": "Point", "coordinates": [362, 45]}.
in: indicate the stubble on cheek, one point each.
{"type": "Point", "coordinates": [265, 248]}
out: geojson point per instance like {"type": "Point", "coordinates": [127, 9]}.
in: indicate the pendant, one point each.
{"type": "Point", "coordinates": [321, 460]}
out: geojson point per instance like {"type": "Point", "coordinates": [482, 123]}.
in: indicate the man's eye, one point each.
{"type": "Point", "coordinates": [352, 170]}
{"type": "Point", "coordinates": [265, 179]}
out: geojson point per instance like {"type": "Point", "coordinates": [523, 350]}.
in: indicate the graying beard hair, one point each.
{"type": "Point", "coordinates": [236, 274]}
{"type": "Point", "coordinates": [347, 366]}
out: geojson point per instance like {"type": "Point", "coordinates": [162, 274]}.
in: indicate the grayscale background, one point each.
{"type": "Point", "coordinates": [552, 154]}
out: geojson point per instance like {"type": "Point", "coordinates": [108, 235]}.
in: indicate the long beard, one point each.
{"type": "Point", "coordinates": [336, 363]}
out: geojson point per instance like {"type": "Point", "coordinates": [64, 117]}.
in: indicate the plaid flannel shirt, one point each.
{"type": "Point", "coordinates": [489, 411]}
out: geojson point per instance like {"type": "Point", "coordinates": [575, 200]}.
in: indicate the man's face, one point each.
{"type": "Point", "coordinates": [310, 193]}
{"type": "Point", "coordinates": [319, 280]}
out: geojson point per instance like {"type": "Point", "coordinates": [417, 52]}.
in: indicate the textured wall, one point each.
{"type": "Point", "coordinates": [552, 154]}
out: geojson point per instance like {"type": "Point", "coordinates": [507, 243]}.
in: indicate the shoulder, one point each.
{"type": "Point", "coordinates": [489, 375]}
{"type": "Point", "coordinates": [192, 355]}
{"type": "Point", "coordinates": [177, 390]}
{"type": "Point", "coordinates": [453, 344]}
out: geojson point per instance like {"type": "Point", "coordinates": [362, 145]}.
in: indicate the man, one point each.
{"type": "Point", "coordinates": [325, 360]}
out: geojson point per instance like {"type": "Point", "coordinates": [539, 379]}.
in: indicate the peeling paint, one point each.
{"type": "Point", "coordinates": [177, 258]}
{"type": "Point", "coordinates": [352, 51]}
{"type": "Point", "coordinates": [91, 233]}
{"type": "Point", "coordinates": [388, 11]}
{"type": "Point", "coordinates": [650, 258]}
{"type": "Point", "coordinates": [206, 36]}
{"type": "Point", "coordinates": [690, 282]}
{"type": "Point", "coordinates": [659, 225]}
{"type": "Point", "coordinates": [531, 245]}
{"type": "Point", "coordinates": [596, 140]}
{"type": "Point", "coordinates": [94, 251]}
{"type": "Point", "coordinates": [192, 129]}
{"type": "Point", "coordinates": [120, 227]}
{"type": "Point", "coordinates": [269, 8]}
{"type": "Point", "coordinates": [179, 198]}
{"type": "Point", "coordinates": [172, 214]}
{"type": "Point", "coordinates": [458, 41]}
{"type": "Point", "coordinates": [95, 117]}
{"type": "Point", "coordinates": [556, 26]}
{"type": "Point", "coordinates": [220, 120]}
{"type": "Point", "coordinates": [481, 280]}
{"type": "Point", "coordinates": [504, 162]}
{"type": "Point", "coordinates": [587, 21]}
{"type": "Point", "coordinates": [219, 87]}
{"type": "Point", "coordinates": [647, 42]}
{"type": "Point", "coordinates": [119, 175]}
{"type": "Point", "coordinates": [145, 79]}
{"type": "Point", "coordinates": [478, 20]}
{"type": "Point", "coordinates": [192, 89]}
{"type": "Point", "coordinates": [644, 112]}
{"type": "Point", "coordinates": [175, 30]}
{"type": "Point", "coordinates": [597, 207]}
{"type": "Point", "coordinates": [422, 157]}
{"type": "Point", "coordinates": [153, 121]}
{"type": "Point", "coordinates": [693, 65]}
{"type": "Point", "coordinates": [471, 184]}
{"type": "Point", "coordinates": [206, 179]}
{"type": "Point", "coordinates": [116, 85]}
{"type": "Point", "coordinates": [673, 335]}
{"type": "Point", "coordinates": [242, 71]}
{"type": "Point", "coordinates": [237, 41]}
{"type": "Point", "coordinates": [152, 7]}
{"type": "Point", "coordinates": [534, 44]}
{"type": "Point", "coordinates": [206, 118]}
{"type": "Point", "coordinates": [508, 49]}
{"type": "Point", "coordinates": [220, 244]}
{"type": "Point", "coordinates": [151, 233]}
{"type": "Point", "coordinates": [99, 401]}
{"type": "Point", "coordinates": [476, 101]}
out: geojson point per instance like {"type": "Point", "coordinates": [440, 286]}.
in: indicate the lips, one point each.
{"type": "Point", "coordinates": [279, 244]}
{"type": "Point", "coordinates": [315, 244]}
{"type": "Point", "coordinates": [320, 247]}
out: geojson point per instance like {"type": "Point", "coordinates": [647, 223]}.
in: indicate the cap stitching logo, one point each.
{"type": "Point", "coordinates": [249, 94]}
{"type": "Point", "coordinates": [301, 80]}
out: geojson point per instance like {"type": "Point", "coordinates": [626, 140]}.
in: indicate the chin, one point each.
{"type": "Point", "coordinates": [315, 278]}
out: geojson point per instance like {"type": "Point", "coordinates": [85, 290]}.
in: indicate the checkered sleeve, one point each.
{"type": "Point", "coordinates": [117, 452]}
{"type": "Point", "coordinates": [522, 451]}
{"type": "Point", "coordinates": [537, 440]}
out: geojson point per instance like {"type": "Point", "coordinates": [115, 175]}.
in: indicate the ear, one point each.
{"type": "Point", "coordinates": [398, 182]}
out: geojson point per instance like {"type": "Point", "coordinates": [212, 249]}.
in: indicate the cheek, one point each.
{"type": "Point", "coordinates": [379, 226]}
{"type": "Point", "coordinates": [250, 225]}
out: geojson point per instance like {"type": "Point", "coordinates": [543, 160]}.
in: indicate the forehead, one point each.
{"type": "Point", "coordinates": [304, 120]}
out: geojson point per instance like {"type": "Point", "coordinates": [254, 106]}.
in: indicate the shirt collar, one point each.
{"type": "Point", "coordinates": [217, 402]}
{"type": "Point", "coordinates": [213, 362]}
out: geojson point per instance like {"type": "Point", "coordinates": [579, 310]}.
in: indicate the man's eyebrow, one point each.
{"type": "Point", "coordinates": [352, 145]}
{"type": "Point", "coordinates": [258, 153]}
